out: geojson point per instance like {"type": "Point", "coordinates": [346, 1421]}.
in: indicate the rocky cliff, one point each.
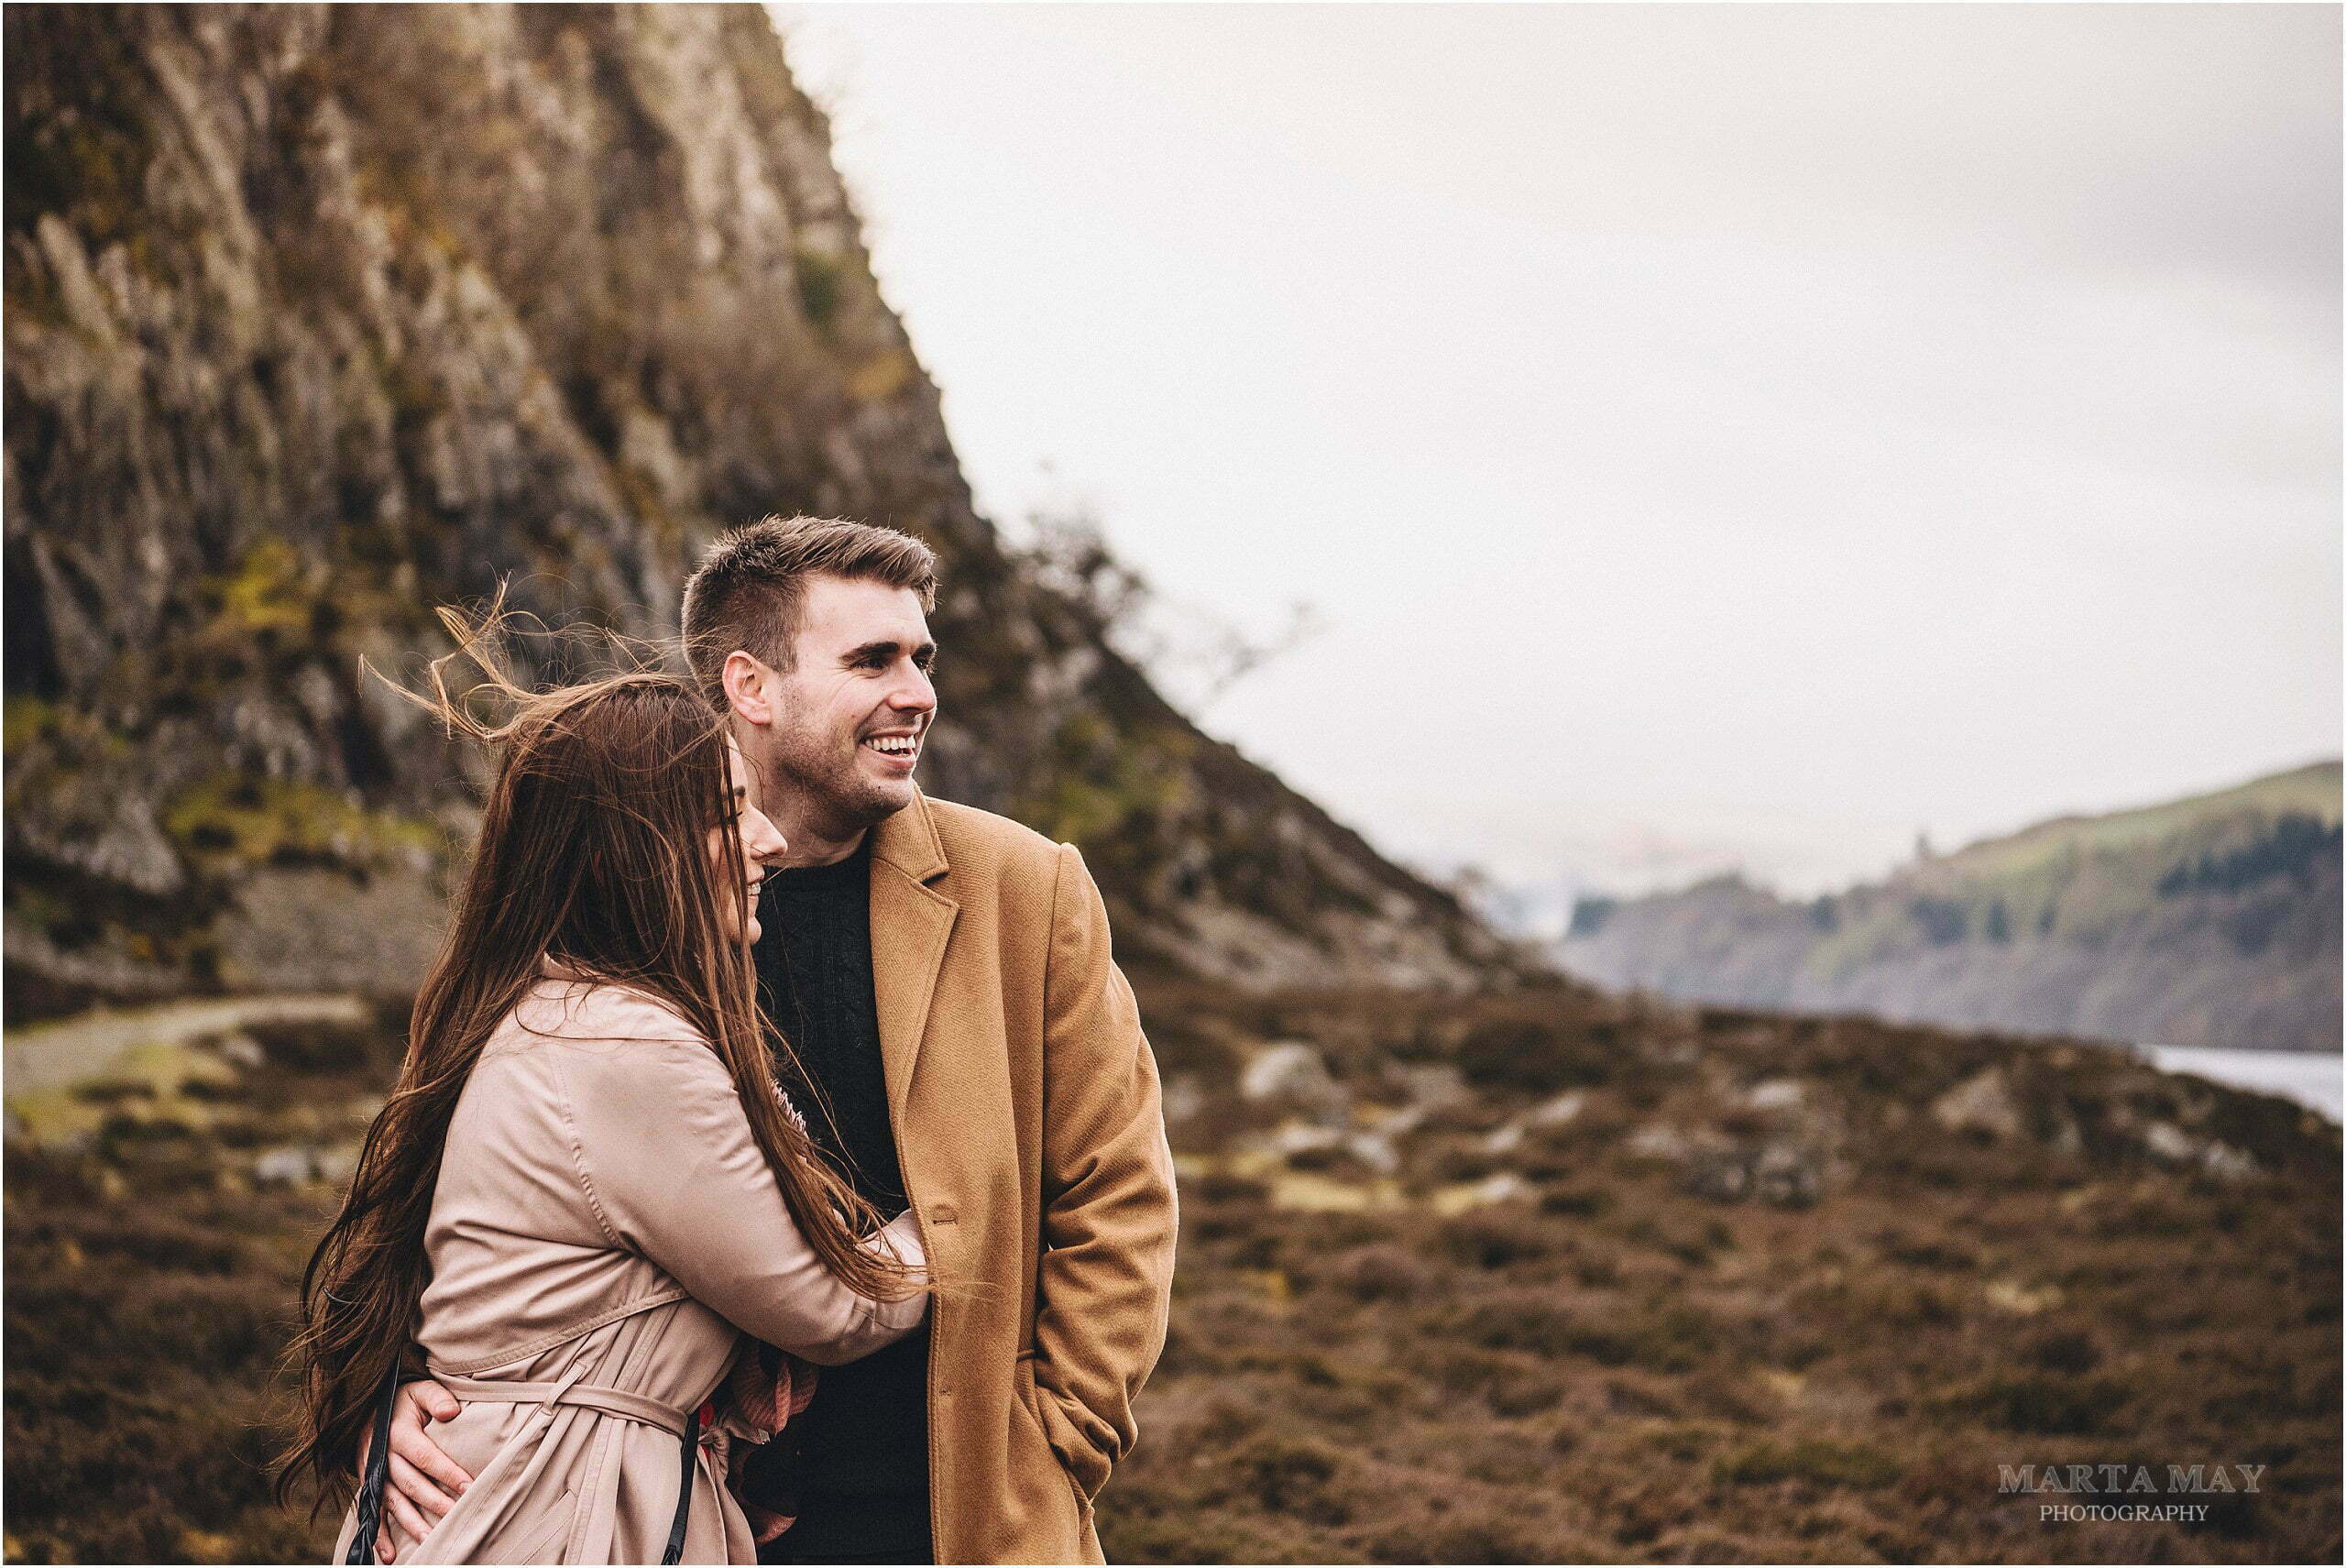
{"type": "Point", "coordinates": [320, 316]}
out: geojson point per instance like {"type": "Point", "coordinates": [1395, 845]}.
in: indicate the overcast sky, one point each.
{"type": "Point", "coordinates": [1709, 436]}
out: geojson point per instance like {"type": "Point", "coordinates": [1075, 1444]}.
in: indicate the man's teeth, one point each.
{"type": "Point", "coordinates": [894, 745]}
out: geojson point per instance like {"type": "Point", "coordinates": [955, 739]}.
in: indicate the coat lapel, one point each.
{"type": "Point", "coordinates": [910, 923]}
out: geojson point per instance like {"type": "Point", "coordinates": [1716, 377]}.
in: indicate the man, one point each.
{"type": "Point", "coordinates": [944, 977]}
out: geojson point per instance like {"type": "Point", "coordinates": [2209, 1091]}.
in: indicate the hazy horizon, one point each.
{"type": "Point", "coordinates": [1709, 436]}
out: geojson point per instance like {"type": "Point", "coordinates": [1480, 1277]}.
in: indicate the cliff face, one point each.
{"type": "Point", "coordinates": [2211, 921]}
{"type": "Point", "coordinates": [320, 316]}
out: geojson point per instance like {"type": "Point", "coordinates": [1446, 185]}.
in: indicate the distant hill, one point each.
{"type": "Point", "coordinates": [2207, 921]}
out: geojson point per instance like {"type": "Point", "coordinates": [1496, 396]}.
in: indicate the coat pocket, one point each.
{"type": "Point", "coordinates": [1030, 1395]}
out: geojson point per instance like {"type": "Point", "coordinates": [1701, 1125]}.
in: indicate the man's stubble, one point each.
{"type": "Point", "coordinates": [814, 782]}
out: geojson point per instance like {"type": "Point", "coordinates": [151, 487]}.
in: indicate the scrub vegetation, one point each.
{"type": "Point", "coordinates": [1526, 1277]}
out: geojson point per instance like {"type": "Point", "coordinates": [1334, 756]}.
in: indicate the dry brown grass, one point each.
{"type": "Point", "coordinates": [1607, 1366]}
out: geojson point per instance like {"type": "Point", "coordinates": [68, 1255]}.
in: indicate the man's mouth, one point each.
{"type": "Point", "coordinates": [903, 750]}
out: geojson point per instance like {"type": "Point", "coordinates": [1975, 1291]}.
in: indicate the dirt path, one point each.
{"type": "Point", "coordinates": [50, 1056]}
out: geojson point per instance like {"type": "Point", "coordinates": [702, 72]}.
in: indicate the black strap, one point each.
{"type": "Point", "coordinates": [378, 1470]}
{"type": "Point", "coordinates": [675, 1552]}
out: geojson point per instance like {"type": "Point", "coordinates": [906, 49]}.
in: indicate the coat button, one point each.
{"type": "Point", "coordinates": [943, 1214]}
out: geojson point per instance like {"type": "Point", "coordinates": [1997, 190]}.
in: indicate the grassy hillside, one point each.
{"type": "Point", "coordinates": [1536, 1278]}
{"type": "Point", "coordinates": [2207, 921]}
{"type": "Point", "coordinates": [2312, 791]}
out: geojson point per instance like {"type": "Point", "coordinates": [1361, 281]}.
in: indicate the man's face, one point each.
{"type": "Point", "coordinates": [855, 707]}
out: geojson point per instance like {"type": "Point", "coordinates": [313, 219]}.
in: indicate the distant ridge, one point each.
{"type": "Point", "coordinates": [2210, 920]}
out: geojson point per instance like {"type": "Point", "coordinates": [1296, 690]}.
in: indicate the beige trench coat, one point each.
{"type": "Point", "coordinates": [603, 1231]}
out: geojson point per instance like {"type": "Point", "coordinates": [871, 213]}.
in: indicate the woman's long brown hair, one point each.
{"type": "Point", "coordinates": [593, 852]}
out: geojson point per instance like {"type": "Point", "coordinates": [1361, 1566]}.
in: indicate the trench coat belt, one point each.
{"type": "Point", "coordinates": [616, 1402]}
{"type": "Point", "coordinates": [680, 1423]}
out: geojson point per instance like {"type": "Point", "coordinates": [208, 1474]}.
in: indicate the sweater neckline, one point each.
{"type": "Point", "coordinates": [852, 867]}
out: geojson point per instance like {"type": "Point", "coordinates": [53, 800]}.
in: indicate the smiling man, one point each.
{"type": "Point", "coordinates": [944, 977]}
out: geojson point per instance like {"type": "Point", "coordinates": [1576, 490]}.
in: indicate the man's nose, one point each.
{"type": "Point", "coordinates": [915, 696]}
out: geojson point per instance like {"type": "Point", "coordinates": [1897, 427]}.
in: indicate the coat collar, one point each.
{"type": "Point", "coordinates": [910, 923]}
{"type": "Point", "coordinates": [908, 841]}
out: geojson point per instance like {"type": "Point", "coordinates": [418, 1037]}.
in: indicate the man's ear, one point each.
{"type": "Point", "coordinates": [749, 687]}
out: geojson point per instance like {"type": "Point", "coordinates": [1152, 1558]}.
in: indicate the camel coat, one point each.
{"type": "Point", "coordinates": [602, 1232]}
{"type": "Point", "coordinates": [1028, 1129]}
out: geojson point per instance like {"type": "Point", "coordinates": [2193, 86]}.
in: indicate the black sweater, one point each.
{"type": "Point", "coordinates": [866, 1433]}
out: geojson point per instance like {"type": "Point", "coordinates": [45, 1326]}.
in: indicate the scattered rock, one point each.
{"type": "Point", "coordinates": [1293, 1073]}
{"type": "Point", "coordinates": [1723, 1176]}
{"type": "Point", "coordinates": [1982, 1103]}
{"type": "Point", "coordinates": [1304, 1142]}
{"type": "Point", "coordinates": [1560, 1110]}
{"type": "Point", "coordinates": [1784, 1172]}
{"type": "Point", "coordinates": [1506, 1187]}
{"type": "Point", "coordinates": [1659, 1140]}
{"type": "Point", "coordinates": [241, 1049]}
{"type": "Point", "coordinates": [1293, 1138]}
{"type": "Point", "coordinates": [1787, 1176]}
{"type": "Point", "coordinates": [1183, 1097]}
{"type": "Point", "coordinates": [1374, 1150]}
{"type": "Point", "coordinates": [1432, 1089]}
{"type": "Point", "coordinates": [1776, 1095]}
{"type": "Point", "coordinates": [2066, 1139]}
{"type": "Point", "coordinates": [2166, 1141]}
{"type": "Point", "coordinates": [2020, 1298]}
{"type": "Point", "coordinates": [291, 1165]}
{"type": "Point", "coordinates": [2228, 1162]}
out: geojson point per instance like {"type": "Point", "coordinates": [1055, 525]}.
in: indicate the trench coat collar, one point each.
{"type": "Point", "coordinates": [910, 923]}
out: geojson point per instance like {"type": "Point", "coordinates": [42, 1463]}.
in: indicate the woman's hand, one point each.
{"type": "Point", "coordinates": [424, 1482]}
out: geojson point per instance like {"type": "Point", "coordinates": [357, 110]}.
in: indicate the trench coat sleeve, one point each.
{"type": "Point", "coordinates": [1105, 1278]}
{"type": "Point", "coordinates": [673, 1173]}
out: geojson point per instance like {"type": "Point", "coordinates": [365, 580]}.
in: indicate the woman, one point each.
{"type": "Point", "coordinates": [587, 1196]}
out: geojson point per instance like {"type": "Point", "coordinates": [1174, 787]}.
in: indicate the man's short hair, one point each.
{"type": "Point", "coordinates": [749, 588]}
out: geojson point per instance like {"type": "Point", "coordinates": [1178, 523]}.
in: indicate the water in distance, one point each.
{"type": "Point", "coordinates": [2310, 1078]}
